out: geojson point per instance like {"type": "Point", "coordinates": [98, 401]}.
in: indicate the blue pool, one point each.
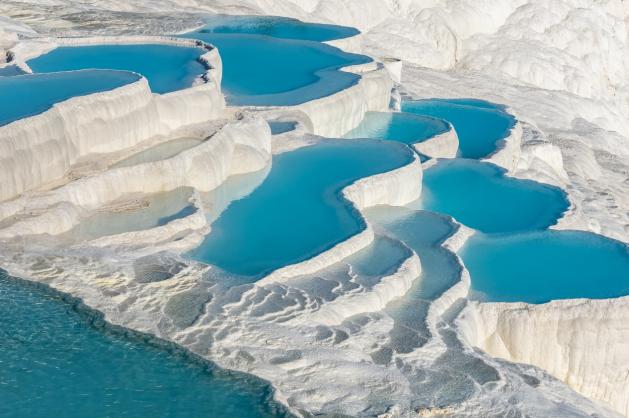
{"type": "Point", "coordinates": [398, 126]}
{"type": "Point", "coordinates": [297, 212]}
{"type": "Point", "coordinates": [58, 359]}
{"type": "Point", "coordinates": [278, 27]}
{"type": "Point", "coordinates": [480, 196]}
{"type": "Point", "coordinates": [33, 94]}
{"type": "Point", "coordinates": [264, 71]}
{"type": "Point", "coordinates": [541, 266]}
{"type": "Point", "coordinates": [166, 67]}
{"type": "Point", "coordinates": [479, 124]}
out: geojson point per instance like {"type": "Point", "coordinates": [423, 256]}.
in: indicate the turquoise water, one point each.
{"type": "Point", "coordinates": [280, 127]}
{"type": "Point", "coordinates": [479, 124]}
{"type": "Point", "coordinates": [541, 266]}
{"type": "Point", "coordinates": [265, 71]}
{"type": "Point", "coordinates": [33, 94]}
{"type": "Point", "coordinates": [10, 70]}
{"type": "Point", "coordinates": [297, 212]}
{"type": "Point", "coordinates": [398, 126]}
{"type": "Point", "coordinates": [58, 359]}
{"type": "Point", "coordinates": [480, 196]}
{"type": "Point", "coordinates": [166, 67]}
{"type": "Point", "coordinates": [277, 27]}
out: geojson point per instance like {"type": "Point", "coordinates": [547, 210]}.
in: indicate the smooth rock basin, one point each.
{"type": "Point", "coordinates": [59, 360]}
{"type": "Point", "coordinates": [159, 152]}
{"type": "Point", "coordinates": [36, 93]}
{"type": "Point", "coordinates": [166, 67]}
{"type": "Point", "coordinates": [538, 267]}
{"type": "Point", "coordinates": [277, 27]}
{"type": "Point", "coordinates": [144, 213]}
{"type": "Point", "coordinates": [265, 71]}
{"type": "Point", "coordinates": [398, 126]}
{"type": "Point", "coordinates": [481, 197]}
{"type": "Point", "coordinates": [280, 127]}
{"type": "Point", "coordinates": [479, 124]}
{"type": "Point", "coordinates": [298, 211]}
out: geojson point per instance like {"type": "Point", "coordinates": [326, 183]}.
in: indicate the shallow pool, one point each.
{"type": "Point", "coordinates": [280, 127]}
{"type": "Point", "coordinates": [266, 71]}
{"type": "Point", "coordinates": [278, 27]}
{"type": "Point", "coordinates": [297, 211]}
{"type": "Point", "coordinates": [166, 67]}
{"type": "Point", "coordinates": [480, 196]}
{"type": "Point", "coordinates": [398, 126]}
{"type": "Point", "coordinates": [480, 125]}
{"type": "Point", "coordinates": [36, 93]}
{"type": "Point", "coordinates": [159, 152]}
{"type": "Point", "coordinates": [541, 266]}
{"type": "Point", "coordinates": [59, 360]}
{"type": "Point", "coordinates": [143, 212]}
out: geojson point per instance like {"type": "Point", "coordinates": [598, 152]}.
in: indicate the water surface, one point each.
{"type": "Point", "coordinates": [145, 212]}
{"type": "Point", "coordinates": [159, 152]}
{"type": "Point", "coordinates": [58, 359]}
{"type": "Point", "coordinates": [480, 125]}
{"type": "Point", "coordinates": [398, 126]}
{"type": "Point", "coordinates": [297, 211]}
{"type": "Point", "coordinates": [480, 196]}
{"type": "Point", "coordinates": [541, 266]}
{"type": "Point", "coordinates": [166, 67]}
{"type": "Point", "coordinates": [35, 93]}
{"type": "Point", "coordinates": [277, 27]}
{"type": "Point", "coordinates": [265, 71]}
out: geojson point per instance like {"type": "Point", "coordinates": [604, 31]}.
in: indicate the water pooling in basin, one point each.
{"type": "Point", "coordinates": [478, 124]}
{"type": "Point", "coordinates": [277, 27]}
{"type": "Point", "coordinates": [297, 212]}
{"type": "Point", "coordinates": [398, 126]}
{"type": "Point", "coordinates": [266, 71]}
{"type": "Point", "coordinates": [166, 67]}
{"type": "Point", "coordinates": [480, 196]}
{"type": "Point", "coordinates": [538, 267]}
{"type": "Point", "coordinates": [36, 93]}
{"type": "Point", "coordinates": [280, 127]}
{"type": "Point", "coordinates": [136, 214]}
{"type": "Point", "coordinates": [59, 360]}
{"type": "Point", "coordinates": [159, 152]}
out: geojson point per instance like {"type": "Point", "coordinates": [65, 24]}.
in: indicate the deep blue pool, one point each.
{"type": "Point", "coordinates": [480, 196]}
{"type": "Point", "coordinates": [541, 266]}
{"type": "Point", "coordinates": [277, 27]}
{"type": "Point", "coordinates": [297, 212]}
{"type": "Point", "coordinates": [479, 124]}
{"type": "Point", "coordinates": [58, 359]}
{"type": "Point", "coordinates": [398, 126]}
{"type": "Point", "coordinates": [36, 93]}
{"type": "Point", "coordinates": [265, 71]}
{"type": "Point", "coordinates": [166, 67]}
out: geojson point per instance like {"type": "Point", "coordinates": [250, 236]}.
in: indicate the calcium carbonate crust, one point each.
{"type": "Point", "coordinates": [560, 110]}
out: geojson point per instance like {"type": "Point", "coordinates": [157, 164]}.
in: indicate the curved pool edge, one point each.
{"type": "Point", "coordinates": [395, 188]}
{"type": "Point", "coordinates": [123, 113]}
